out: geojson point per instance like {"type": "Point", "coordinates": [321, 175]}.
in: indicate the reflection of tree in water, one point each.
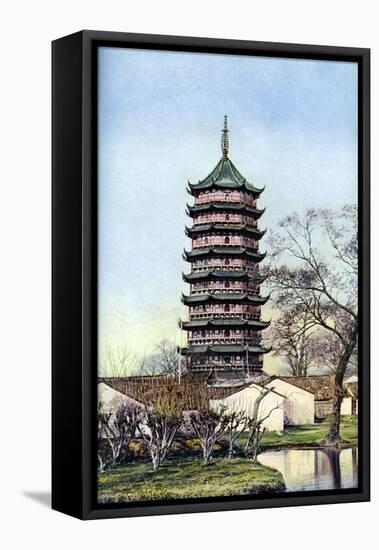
{"type": "Point", "coordinates": [354, 461]}
{"type": "Point", "coordinates": [315, 469]}
{"type": "Point", "coordinates": [354, 455]}
{"type": "Point", "coordinates": [334, 456]}
{"type": "Point", "coordinates": [335, 465]}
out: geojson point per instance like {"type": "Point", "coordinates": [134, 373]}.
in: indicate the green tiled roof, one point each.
{"type": "Point", "coordinates": [220, 274]}
{"type": "Point", "coordinates": [223, 251]}
{"type": "Point", "coordinates": [229, 206]}
{"type": "Point", "coordinates": [223, 227]}
{"type": "Point", "coordinates": [225, 176]}
{"type": "Point", "coordinates": [224, 323]}
{"type": "Point", "coordinates": [224, 297]}
{"type": "Point", "coordinates": [224, 349]}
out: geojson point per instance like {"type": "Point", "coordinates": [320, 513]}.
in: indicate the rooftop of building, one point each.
{"type": "Point", "coordinates": [351, 390]}
{"type": "Point", "coordinates": [322, 386]}
{"type": "Point", "coordinates": [150, 390]}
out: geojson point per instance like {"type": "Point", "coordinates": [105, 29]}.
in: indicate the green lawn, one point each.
{"type": "Point", "coordinates": [310, 434]}
{"type": "Point", "coordinates": [186, 477]}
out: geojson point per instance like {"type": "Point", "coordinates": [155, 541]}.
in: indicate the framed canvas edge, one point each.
{"type": "Point", "coordinates": [67, 364]}
{"type": "Point", "coordinates": [90, 41]}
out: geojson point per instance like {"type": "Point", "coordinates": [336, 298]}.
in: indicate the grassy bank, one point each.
{"type": "Point", "coordinates": [311, 434]}
{"type": "Point", "coordinates": [308, 435]}
{"type": "Point", "coordinates": [187, 477]}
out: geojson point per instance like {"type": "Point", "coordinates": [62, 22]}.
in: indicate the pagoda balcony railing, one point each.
{"type": "Point", "coordinates": [224, 340]}
{"type": "Point", "coordinates": [226, 315]}
{"type": "Point", "coordinates": [231, 361]}
{"type": "Point", "coordinates": [225, 360]}
{"type": "Point", "coordinates": [219, 220]}
{"type": "Point", "coordinates": [242, 244]}
{"type": "Point", "coordinates": [237, 198]}
{"type": "Point", "coordinates": [251, 269]}
{"type": "Point", "coordinates": [224, 291]}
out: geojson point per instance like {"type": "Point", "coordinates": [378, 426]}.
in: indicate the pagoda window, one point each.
{"type": "Point", "coordinates": [227, 262]}
{"type": "Point", "coordinates": [227, 217]}
{"type": "Point", "coordinates": [227, 333]}
{"type": "Point", "coordinates": [227, 308]}
{"type": "Point", "coordinates": [227, 240]}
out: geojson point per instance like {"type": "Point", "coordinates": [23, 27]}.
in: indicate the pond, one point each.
{"type": "Point", "coordinates": [314, 469]}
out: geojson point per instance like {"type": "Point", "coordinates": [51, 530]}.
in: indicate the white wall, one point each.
{"type": "Point", "coordinates": [299, 406]}
{"type": "Point", "coordinates": [346, 406]}
{"type": "Point", "coordinates": [111, 399]}
{"type": "Point", "coordinates": [27, 28]}
{"type": "Point", "coordinates": [271, 408]}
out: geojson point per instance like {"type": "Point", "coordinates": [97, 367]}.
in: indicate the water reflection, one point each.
{"type": "Point", "coordinates": [315, 469]}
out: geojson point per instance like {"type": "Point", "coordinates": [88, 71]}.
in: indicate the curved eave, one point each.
{"type": "Point", "coordinates": [220, 349]}
{"type": "Point", "coordinates": [229, 275]}
{"type": "Point", "coordinates": [194, 254]}
{"type": "Point", "coordinates": [222, 297]}
{"type": "Point", "coordinates": [244, 229]}
{"type": "Point", "coordinates": [227, 206]}
{"type": "Point", "coordinates": [225, 175]}
{"type": "Point", "coordinates": [224, 323]}
{"type": "Point", "coordinates": [195, 189]}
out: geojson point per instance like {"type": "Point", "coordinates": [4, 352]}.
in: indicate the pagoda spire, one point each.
{"type": "Point", "coordinates": [225, 139]}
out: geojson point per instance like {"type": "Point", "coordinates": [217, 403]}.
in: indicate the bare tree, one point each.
{"type": "Point", "coordinates": [237, 423]}
{"type": "Point", "coordinates": [328, 349]}
{"type": "Point", "coordinates": [168, 357]}
{"type": "Point", "coordinates": [256, 432]}
{"type": "Point", "coordinates": [118, 362]}
{"type": "Point", "coordinates": [320, 276]}
{"type": "Point", "coordinates": [291, 337]}
{"type": "Point", "coordinates": [164, 360]}
{"type": "Point", "coordinates": [117, 426]}
{"type": "Point", "coordinates": [209, 426]}
{"type": "Point", "coordinates": [162, 421]}
{"type": "Point", "coordinates": [102, 454]}
{"type": "Point", "coordinates": [256, 424]}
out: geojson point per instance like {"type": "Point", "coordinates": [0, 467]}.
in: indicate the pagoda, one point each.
{"type": "Point", "coordinates": [224, 326]}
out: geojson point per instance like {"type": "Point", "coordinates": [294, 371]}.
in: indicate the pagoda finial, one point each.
{"type": "Point", "coordinates": [225, 139]}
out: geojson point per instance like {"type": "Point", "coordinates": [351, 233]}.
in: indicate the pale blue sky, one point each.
{"type": "Point", "coordinates": [293, 129]}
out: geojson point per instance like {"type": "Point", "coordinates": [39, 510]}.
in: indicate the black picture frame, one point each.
{"type": "Point", "coordinates": [74, 271]}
